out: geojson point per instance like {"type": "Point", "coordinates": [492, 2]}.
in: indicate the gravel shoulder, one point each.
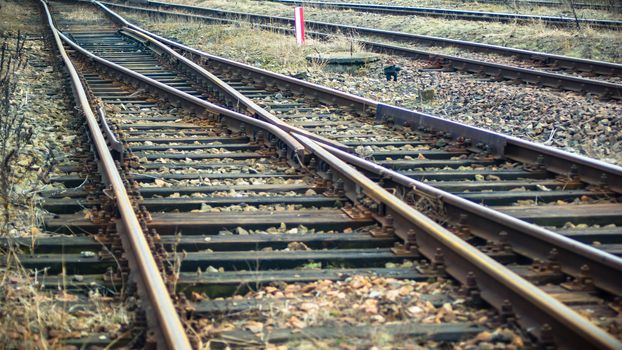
{"type": "Point", "coordinates": [572, 122]}
{"type": "Point", "coordinates": [587, 43]}
{"type": "Point", "coordinates": [40, 127]}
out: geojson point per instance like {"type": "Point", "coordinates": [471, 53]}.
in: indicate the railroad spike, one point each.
{"type": "Point", "coordinates": [471, 289]}
{"type": "Point", "coordinates": [438, 263]}
{"type": "Point", "coordinates": [573, 173]}
{"type": "Point", "coordinates": [546, 337]}
{"type": "Point", "coordinates": [411, 241]}
{"type": "Point", "coordinates": [387, 229]}
{"type": "Point", "coordinates": [507, 312]}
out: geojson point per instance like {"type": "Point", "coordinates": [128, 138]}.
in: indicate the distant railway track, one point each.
{"type": "Point", "coordinates": [180, 165]}
{"type": "Point", "coordinates": [581, 5]}
{"type": "Point", "coordinates": [494, 70]}
{"type": "Point", "coordinates": [459, 14]}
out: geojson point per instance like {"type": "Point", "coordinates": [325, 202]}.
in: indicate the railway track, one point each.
{"type": "Point", "coordinates": [459, 14]}
{"type": "Point", "coordinates": [85, 183]}
{"type": "Point", "coordinates": [511, 178]}
{"type": "Point", "coordinates": [585, 5]}
{"type": "Point", "coordinates": [151, 130]}
{"type": "Point", "coordinates": [535, 68]}
{"type": "Point", "coordinates": [182, 167]}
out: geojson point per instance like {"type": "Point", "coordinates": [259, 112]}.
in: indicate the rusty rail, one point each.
{"type": "Point", "coordinates": [292, 145]}
{"type": "Point", "coordinates": [530, 240]}
{"type": "Point", "coordinates": [498, 285]}
{"type": "Point", "coordinates": [502, 17]}
{"type": "Point", "coordinates": [171, 333]}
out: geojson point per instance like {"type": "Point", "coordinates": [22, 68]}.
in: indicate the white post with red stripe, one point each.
{"type": "Point", "coordinates": [299, 18]}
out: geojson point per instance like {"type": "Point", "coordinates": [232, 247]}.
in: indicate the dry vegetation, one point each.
{"type": "Point", "coordinates": [13, 18]}
{"type": "Point", "coordinates": [35, 134]}
{"type": "Point", "coordinates": [510, 6]}
{"type": "Point", "coordinates": [371, 302]}
{"type": "Point", "coordinates": [586, 43]}
{"type": "Point", "coordinates": [269, 50]}
{"type": "Point", "coordinates": [35, 318]}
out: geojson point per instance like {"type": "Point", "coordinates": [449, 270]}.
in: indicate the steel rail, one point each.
{"type": "Point", "coordinates": [557, 161]}
{"type": "Point", "coordinates": [498, 284]}
{"type": "Point", "coordinates": [223, 87]}
{"type": "Point", "coordinates": [151, 285]}
{"type": "Point", "coordinates": [459, 14]}
{"type": "Point", "coordinates": [326, 94]}
{"type": "Point", "coordinates": [495, 70]}
{"type": "Point", "coordinates": [505, 72]}
{"type": "Point", "coordinates": [276, 121]}
{"type": "Point", "coordinates": [581, 64]}
{"type": "Point", "coordinates": [580, 5]}
{"type": "Point", "coordinates": [526, 239]}
{"type": "Point", "coordinates": [490, 222]}
{"type": "Point", "coordinates": [293, 145]}
{"type": "Point", "coordinates": [521, 294]}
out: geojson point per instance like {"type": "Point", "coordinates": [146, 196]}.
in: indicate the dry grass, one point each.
{"type": "Point", "coordinates": [14, 16]}
{"type": "Point", "coordinates": [34, 119]}
{"type": "Point", "coordinates": [22, 167]}
{"type": "Point", "coordinates": [261, 48]}
{"type": "Point", "coordinates": [510, 6]}
{"type": "Point", "coordinates": [85, 13]}
{"type": "Point", "coordinates": [34, 318]}
{"type": "Point", "coordinates": [587, 43]}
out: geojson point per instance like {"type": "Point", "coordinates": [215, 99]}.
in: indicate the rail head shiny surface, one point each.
{"type": "Point", "coordinates": [172, 332]}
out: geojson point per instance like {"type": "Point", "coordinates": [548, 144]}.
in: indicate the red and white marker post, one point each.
{"type": "Point", "coordinates": [299, 18]}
